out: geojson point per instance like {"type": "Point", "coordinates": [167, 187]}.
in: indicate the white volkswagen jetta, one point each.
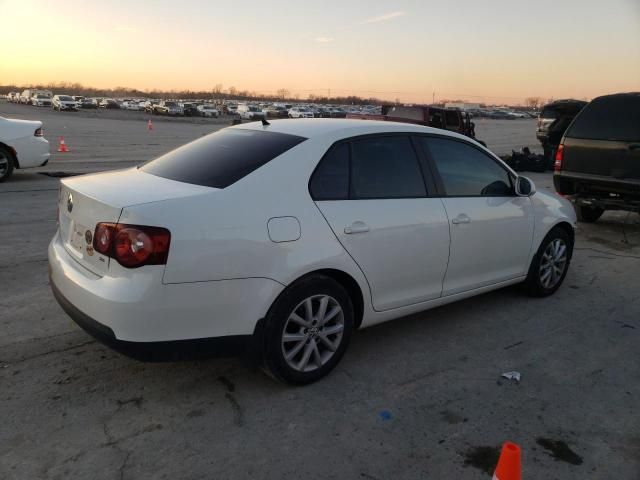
{"type": "Point", "coordinates": [294, 234]}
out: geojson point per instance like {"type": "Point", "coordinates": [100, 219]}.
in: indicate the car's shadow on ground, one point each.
{"type": "Point", "coordinates": [404, 342]}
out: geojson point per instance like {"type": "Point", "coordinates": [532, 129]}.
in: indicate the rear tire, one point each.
{"type": "Point", "coordinates": [298, 347]}
{"type": "Point", "coordinates": [6, 164]}
{"type": "Point", "coordinates": [588, 214]}
{"type": "Point", "coordinates": [550, 264]}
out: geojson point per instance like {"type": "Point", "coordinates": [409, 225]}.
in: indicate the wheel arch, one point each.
{"type": "Point", "coordinates": [568, 228]}
{"type": "Point", "coordinates": [348, 283]}
{"type": "Point", "coordinates": [13, 152]}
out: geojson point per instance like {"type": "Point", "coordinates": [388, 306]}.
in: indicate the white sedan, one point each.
{"type": "Point", "coordinates": [208, 110]}
{"type": "Point", "coordinates": [64, 102]}
{"type": "Point", "coordinates": [22, 145]}
{"type": "Point", "coordinates": [288, 236]}
{"type": "Point", "coordinates": [300, 112]}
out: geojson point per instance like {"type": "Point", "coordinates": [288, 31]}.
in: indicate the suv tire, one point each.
{"type": "Point", "coordinates": [587, 214]}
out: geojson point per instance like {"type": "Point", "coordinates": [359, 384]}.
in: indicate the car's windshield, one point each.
{"type": "Point", "coordinates": [170, 104]}
{"type": "Point", "coordinates": [66, 98]}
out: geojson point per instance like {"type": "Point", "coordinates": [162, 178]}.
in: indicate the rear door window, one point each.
{"type": "Point", "coordinates": [609, 118]}
{"type": "Point", "coordinates": [385, 167]}
{"type": "Point", "coordinates": [222, 158]}
{"type": "Point", "coordinates": [376, 167]}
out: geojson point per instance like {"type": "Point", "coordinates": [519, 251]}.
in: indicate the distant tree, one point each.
{"type": "Point", "coordinates": [283, 93]}
{"type": "Point", "coordinates": [233, 91]}
{"type": "Point", "coordinates": [533, 102]}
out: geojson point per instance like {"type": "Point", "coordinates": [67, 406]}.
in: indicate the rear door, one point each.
{"type": "Point", "coordinates": [491, 228]}
{"type": "Point", "coordinates": [372, 192]}
{"type": "Point", "coordinates": [604, 139]}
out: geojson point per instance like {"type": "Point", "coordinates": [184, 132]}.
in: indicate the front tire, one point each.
{"type": "Point", "coordinates": [550, 264]}
{"type": "Point", "coordinates": [587, 214]}
{"type": "Point", "coordinates": [307, 330]}
{"type": "Point", "coordinates": [6, 164]}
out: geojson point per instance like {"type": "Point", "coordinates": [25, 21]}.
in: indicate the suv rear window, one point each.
{"type": "Point", "coordinates": [548, 112]}
{"type": "Point", "coordinates": [222, 158]}
{"type": "Point", "coordinates": [609, 118]}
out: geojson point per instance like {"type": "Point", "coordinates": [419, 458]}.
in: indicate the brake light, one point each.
{"type": "Point", "coordinates": [557, 166]}
{"type": "Point", "coordinates": [39, 132]}
{"type": "Point", "coordinates": [132, 246]}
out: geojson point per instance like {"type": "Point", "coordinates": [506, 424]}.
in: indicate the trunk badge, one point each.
{"type": "Point", "coordinates": [69, 203]}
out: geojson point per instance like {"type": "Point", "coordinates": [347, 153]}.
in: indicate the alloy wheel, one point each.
{"type": "Point", "coordinates": [4, 164]}
{"type": "Point", "coordinates": [313, 332]}
{"type": "Point", "coordinates": [553, 263]}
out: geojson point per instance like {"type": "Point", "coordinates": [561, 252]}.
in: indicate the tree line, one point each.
{"type": "Point", "coordinates": [215, 93]}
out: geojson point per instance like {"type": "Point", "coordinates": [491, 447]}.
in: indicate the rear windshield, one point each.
{"type": "Point", "coordinates": [222, 158]}
{"type": "Point", "coordinates": [548, 112]}
{"type": "Point", "coordinates": [609, 118]}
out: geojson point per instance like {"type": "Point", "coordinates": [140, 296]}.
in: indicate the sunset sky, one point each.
{"type": "Point", "coordinates": [480, 50]}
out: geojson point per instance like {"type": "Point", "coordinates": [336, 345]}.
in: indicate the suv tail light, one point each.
{"type": "Point", "coordinates": [39, 132]}
{"type": "Point", "coordinates": [557, 166]}
{"type": "Point", "coordinates": [132, 246]}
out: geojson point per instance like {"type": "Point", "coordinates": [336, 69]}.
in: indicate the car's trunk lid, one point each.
{"type": "Point", "coordinates": [87, 200]}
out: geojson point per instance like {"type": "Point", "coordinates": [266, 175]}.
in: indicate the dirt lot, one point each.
{"type": "Point", "coordinates": [416, 398]}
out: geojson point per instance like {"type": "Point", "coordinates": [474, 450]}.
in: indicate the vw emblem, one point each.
{"type": "Point", "coordinates": [69, 203]}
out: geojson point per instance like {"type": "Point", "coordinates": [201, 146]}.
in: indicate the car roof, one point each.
{"type": "Point", "coordinates": [340, 128]}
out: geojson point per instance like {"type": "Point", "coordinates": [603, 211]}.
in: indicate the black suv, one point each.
{"type": "Point", "coordinates": [597, 164]}
{"type": "Point", "coordinates": [553, 121]}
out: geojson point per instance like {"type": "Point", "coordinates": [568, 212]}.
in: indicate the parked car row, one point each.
{"type": "Point", "coordinates": [501, 114]}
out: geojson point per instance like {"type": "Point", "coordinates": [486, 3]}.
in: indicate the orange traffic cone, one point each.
{"type": "Point", "coordinates": [62, 147]}
{"type": "Point", "coordinates": [509, 467]}
{"type": "Point", "coordinates": [149, 125]}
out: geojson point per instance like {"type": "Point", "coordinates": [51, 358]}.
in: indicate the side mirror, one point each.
{"type": "Point", "coordinates": [525, 187]}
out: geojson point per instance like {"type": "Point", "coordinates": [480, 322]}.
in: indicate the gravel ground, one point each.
{"type": "Point", "coordinates": [419, 397]}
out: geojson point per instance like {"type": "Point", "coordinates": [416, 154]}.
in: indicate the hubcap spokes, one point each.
{"type": "Point", "coordinates": [553, 263]}
{"type": "Point", "coordinates": [4, 164]}
{"type": "Point", "coordinates": [312, 333]}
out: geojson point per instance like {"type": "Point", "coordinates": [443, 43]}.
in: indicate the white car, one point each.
{"type": "Point", "coordinates": [64, 102]}
{"type": "Point", "coordinates": [41, 100]}
{"type": "Point", "coordinates": [250, 112]}
{"type": "Point", "coordinates": [208, 110]}
{"type": "Point", "coordinates": [300, 112]}
{"type": "Point", "coordinates": [292, 235]}
{"type": "Point", "coordinates": [22, 145]}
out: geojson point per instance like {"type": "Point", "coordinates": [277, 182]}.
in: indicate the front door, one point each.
{"type": "Point", "coordinates": [491, 228]}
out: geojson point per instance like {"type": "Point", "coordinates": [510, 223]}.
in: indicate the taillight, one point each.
{"type": "Point", "coordinates": [39, 132]}
{"type": "Point", "coordinates": [132, 246]}
{"type": "Point", "coordinates": [557, 166]}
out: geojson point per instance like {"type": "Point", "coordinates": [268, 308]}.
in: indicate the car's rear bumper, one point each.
{"type": "Point", "coordinates": [31, 151]}
{"type": "Point", "coordinates": [156, 351]}
{"type": "Point", "coordinates": [599, 191]}
{"type": "Point", "coordinates": [141, 309]}
{"type": "Point", "coordinates": [568, 183]}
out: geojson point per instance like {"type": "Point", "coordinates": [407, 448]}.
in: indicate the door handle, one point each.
{"type": "Point", "coordinates": [356, 227]}
{"type": "Point", "coordinates": [462, 218]}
